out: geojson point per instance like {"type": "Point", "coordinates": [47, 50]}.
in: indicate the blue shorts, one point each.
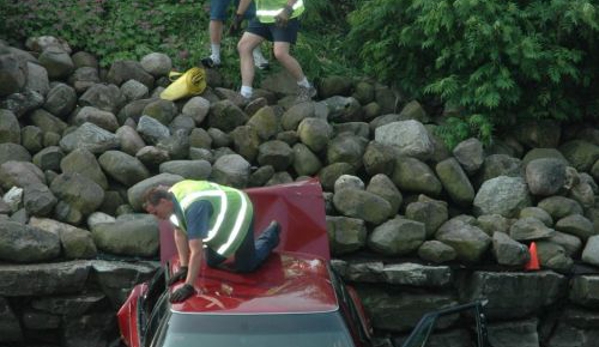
{"type": "Point", "coordinates": [274, 33]}
{"type": "Point", "coordinates": [218, 9]}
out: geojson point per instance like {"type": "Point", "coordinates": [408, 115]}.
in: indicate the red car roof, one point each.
{"type": "Point", "coordinates": [286, 283]}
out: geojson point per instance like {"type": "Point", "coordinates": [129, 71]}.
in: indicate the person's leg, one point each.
{"type": "Point", "coordinates": [255, 34]}
{"type": "Point", "coordinates": [218, 14]}
{"type": "Point", "coordinates": [283, 39]}
{"type": "Point", "coordinates": [251, 254]}
{"type": "Point", "coordinates": [213, 259]}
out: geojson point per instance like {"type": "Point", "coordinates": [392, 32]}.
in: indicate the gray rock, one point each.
{"type": "Point", "coordinates": [23, 102]}
{"type": "Point", "coordinates": [47, 122]}
{"type": "Point", "coordinates": [136, 192]}
{"type": "Point", "coordinates": [490, 223]}
{"type": "Point", "coordinates": [85, 59]}
{"type": "Point", "coordinates": [508, 304]}
{"type": "Point", "coordinates": [164, 111]}
{"type": "Point", "coordinates": [413, 110]}
{"type": "Point", "coordinates": [346, 235]}
{"type": "Point", "coordinates": [20, 174]}
{"type": "Point", "coordinates": [279, 178]}
{"type": "Point", "coordinates": [38, 200]}
{"type": "Point", "coordinates": [219, 138]}
{"type": "Point", "coordinates": [433, 213]}
{"type": "Point", "coordinates": [496, 165]}
{"type": "Point", "coordinates": [132, 235]}
{"type": "Point", "coordinates": [538, 133]}
{"type": "Point", "coordinates": [117, 278]}
{"type": "Point", "coordinates": [397, 237]}
{"type": "Point", "coordinates": [130, 141]}
{"type": "Point", "coordinates": [342, 109]}
{"type": "Point", "coordinates": [378, 159]}
{"type": "Point", "coordinates": [585, 291]}
{"type": "Point", "coordinates": [32, 138]}
{"type": "Point", "coordinates": [436, 252]}
{"type": "Point", "coordinates": [361, 129]}
{"type": "Point", "coordinates": [519, 333]}
{"type": "Point", "coordinates": [553, 256]}
{"type": "Point", "coordinates": [502, 195]}
{"type": "Point", "coordinates": [296, 114]}
{"type": "Point", "coordinates": [43, 279]}
{"type": "Point", "coordinates": [330, 173]}
{"type": "Point", "coordinates": [226, 116]}
{"type": "Point", "coordinates": [9, 322]}
{"type": "Point", "coordinates": [469, 154]}
{"type": "Point", "coordinates": [124, 70]}
{"type": "Point", "coordinates": [530, 228]}
{"type": "Point", "coordinates": [13, 198]}
{"type": "Point", "coordinates": [157, 64]}
{"type": "Point", "coordinates": [410, 137]}
{"type": "Point", "coordinates": [571, 244]}
{"type": "Point", "coordinates": [364, 92]}
{"type": "Point", "coordinates": [49, 158]}
{"type": "Point", "coordinates": [538, 213]}
{"type": "Point", "coordinates": [348, 181]}
{"type": "Point", "coordinates": [78, 191]}
{"type": "Point", "coordinates": [57, 62]}
{"type": "Point", "coordinates": [370, 272]}
{"type": "Point", "coordinates": [335, 85]}
{"type": "Point", "coordinates": [123, 167]}
{"type": "Point", "coordinates": [37, 79]}
{"type": "Point", "coordinates": [84, 78]}
{"type": "Point", "coordinates": [276, 153]}
{"type": "Point", "coordinates": [545, 176]}
{"type": "Point", "coordinates": [25, 244]}
{"type": "Point", "coordinates": [84, 162]}
{"type": "Point", "coordinates": [577, 225]}
{"type": "Point", "coordinates": [382, 186]}
{"type": "Point", "coordinates": [182, 123]}
{"type": "Point", "coordinates": [590, 254]}
{"type": "Point", "coordinates": [413, 175]}
{"type": "Point", "coordinates": [580, 154]}
{"type": "Point", "coordinates": [105, 97]}
{"type": "Point", "coordinates": [189, 169]}
{"type": "Point", "coordinates": [10, 130]}
{"type": "Point", "coordinates": [41, 43]}
{"type": "Point", "coordinates": [559, 207]}
{"type": "Point", "coordinates": [509, 252]}
{"type": "Point", "coordinates": [177, 145]}
{"type": "Point", "coordinates": [197, 108]}
{"type": "Point", "coordinates": [246, 142]}
{"type": "Point", "coordinates": [543, 153]}
{"type": "Point", "coordinates": [347, 148]}
{"type": "Point", "coordinates": [266, 122]}
{"type": "Point", "coordinates": [469, 241]}
{"type": "Point", "coordinates": [76, 243]}
{"type": "Point", "coordinates": [231, 170]}
{"type": "Point", "coordinates": [91, 137]}
{"type": "Point", "coordinates": [261, 176]}
{"type": "Point", "coordinates": [314, 133]}
{"type": "Point", "coordinates": [418, 275]}
{"type": "Point", "coordinates": [151, 130]}
{"type": "Point", "coordinates": [134, 90]}
{"type": "Point", "coordinates": [455, 181]}
{"type": "Point", "coordinates": [13, 74]}
{"type": "Point", "coordinates": [152, 156]}
{"type": "Point", "coordinates": [305, 162]}
{"type": "Point", "coordinates": [200, 138]}
{"type": "Point", "coordinates": [361, 204]}
{"type": "Point", "coordinates": [61, 100]}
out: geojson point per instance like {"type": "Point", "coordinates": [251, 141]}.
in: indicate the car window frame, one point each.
{"type": "Point", "coordinates": [353, 317]}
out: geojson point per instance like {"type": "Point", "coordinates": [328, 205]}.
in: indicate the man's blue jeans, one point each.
{"type": "Point", "coordinates": [250, 254]}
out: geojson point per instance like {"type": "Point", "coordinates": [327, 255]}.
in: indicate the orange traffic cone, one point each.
{"type": "Point", "coordinates": [533, 263]}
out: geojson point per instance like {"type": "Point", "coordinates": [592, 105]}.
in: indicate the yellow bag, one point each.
{"type": "Point", "coordinates": [192, 82]}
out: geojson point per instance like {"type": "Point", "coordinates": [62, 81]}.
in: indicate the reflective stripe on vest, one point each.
{"type": "Point", "coordinates": [267, 14]}
{"type": "Point", "coordinates": [223, 241]}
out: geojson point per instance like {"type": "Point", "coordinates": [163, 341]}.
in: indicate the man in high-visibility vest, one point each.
{"type": "Point", "coordinates": [276, 21]}
{"type": "Point", "coordinates": [217, 216]}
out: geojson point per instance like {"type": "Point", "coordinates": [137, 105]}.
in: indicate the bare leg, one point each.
{"type": "Point", "coordinates": [281, 51]}
{"type": "Point", "coordinates": [245, 46]}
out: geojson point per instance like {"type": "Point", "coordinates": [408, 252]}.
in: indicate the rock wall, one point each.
{"type": "Point", "coordinates": [412, 225]}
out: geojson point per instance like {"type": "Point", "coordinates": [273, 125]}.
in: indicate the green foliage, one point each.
{"type": "Point", "coordinates": [493, 58]}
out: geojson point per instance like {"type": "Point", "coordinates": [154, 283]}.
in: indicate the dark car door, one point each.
{"type": "Point", "coordinates": [353, 312]}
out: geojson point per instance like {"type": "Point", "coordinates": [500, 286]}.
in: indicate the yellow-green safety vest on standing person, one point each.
{"type": "Point", "coordinates": [266, 10]}
{"type": "Point", "coordinates": [232, 213]}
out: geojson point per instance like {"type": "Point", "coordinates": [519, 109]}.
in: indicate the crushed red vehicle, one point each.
{"type": "Point", "coordinates": [294, 298]}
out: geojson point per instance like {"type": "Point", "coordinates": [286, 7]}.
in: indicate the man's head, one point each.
{"type": "Point", "coordinates": [159, 202]}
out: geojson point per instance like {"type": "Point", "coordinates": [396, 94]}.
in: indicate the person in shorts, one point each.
{"type": "Point", "coordinates": [276, 21]}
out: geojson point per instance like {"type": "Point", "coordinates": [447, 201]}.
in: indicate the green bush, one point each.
{"type": "Point", "coordinates": [497, 61]}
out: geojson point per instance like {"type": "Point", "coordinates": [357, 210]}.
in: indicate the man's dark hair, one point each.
{"type": "Point", "coordinates": [153, 196]}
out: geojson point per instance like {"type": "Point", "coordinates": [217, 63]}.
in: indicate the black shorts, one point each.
{"type": "Point", "coordinates": [274, 33]}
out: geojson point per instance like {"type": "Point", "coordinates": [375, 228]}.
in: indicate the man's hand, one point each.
{"type": "Point", "coordinates": [178, 276]}
{"type": "Point", "coordinates": [182, 293]}
{"type": "Point", "coordinates": [236, 25]}
{"type": "Point", "coordinates": [282, 18]}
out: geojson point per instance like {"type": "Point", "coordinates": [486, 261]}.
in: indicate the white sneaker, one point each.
{"type": "Point", "coordinates": [259, 61]}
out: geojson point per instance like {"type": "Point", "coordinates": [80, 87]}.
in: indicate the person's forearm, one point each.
{"type": "Point", "coordinates": [195, 262]}
{"type": "Point", "coordinates": [182, 247]}
{"type": "Point", "coordinates": [243, 6]}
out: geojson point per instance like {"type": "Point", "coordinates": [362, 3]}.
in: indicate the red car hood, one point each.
{"type": "Point", "coordinates": [298, 207]}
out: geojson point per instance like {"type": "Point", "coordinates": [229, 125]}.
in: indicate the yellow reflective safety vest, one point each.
{"type": "Point", "coordinates": [231, 216]}
{"type": "Point", "coordinates": [267, 10]}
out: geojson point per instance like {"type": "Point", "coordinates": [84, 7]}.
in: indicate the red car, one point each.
{"type": "Point", "coordinates": [294, 298]}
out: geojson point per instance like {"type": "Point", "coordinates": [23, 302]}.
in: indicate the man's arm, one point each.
{"type": "Point", "coordinates": [182, 246]}
{"type": "Point", "coordinates": [196, 247]}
